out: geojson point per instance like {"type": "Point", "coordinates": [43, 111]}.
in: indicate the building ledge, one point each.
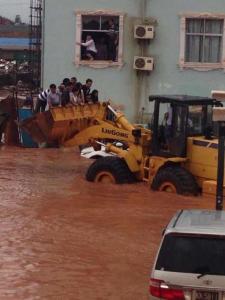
{"type": "Point", "coordinates": [99, 64]}
{"type": "Point", "coordinates": [202, 66]}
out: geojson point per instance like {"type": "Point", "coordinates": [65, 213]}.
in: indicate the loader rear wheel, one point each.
{"type": "Point", "coordinates": [110, 170]}
{"type": "Point", "coordinates": [175, 179]}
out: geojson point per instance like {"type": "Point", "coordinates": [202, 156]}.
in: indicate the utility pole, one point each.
{"type": "Point", "coordinates": [219, 116]}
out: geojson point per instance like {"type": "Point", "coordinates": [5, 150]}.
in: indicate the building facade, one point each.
{"type": "Point", "coordinates": [185, 43]}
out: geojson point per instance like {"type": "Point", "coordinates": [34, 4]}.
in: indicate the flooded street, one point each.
{"type": "Point", "coordinates": [65, 238]}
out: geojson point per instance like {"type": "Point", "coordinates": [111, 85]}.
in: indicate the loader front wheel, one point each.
{"type": "Point", "coordinates": [175, 179]}
{"type": "Point", "coordinates": [168, 187]}
{"type": "Point", "coordinates": [105, 177]}
{"type": "Point", "coordinates": [110, 170]}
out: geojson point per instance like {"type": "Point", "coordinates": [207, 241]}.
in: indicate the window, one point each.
{"type": "Point", "coordinates": [202, 44]}
{"type": "Point", "coordinates": [99, 39]}
{"type": "Point", "coordinates": [204, 40]}
{"type": "Point", "coordinates": [196, 120]}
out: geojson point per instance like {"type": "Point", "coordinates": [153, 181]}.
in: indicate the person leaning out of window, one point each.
{"type": "Point", "coordinates": [112, 41]}
{"type": "Point", "coordinates": [91, 50]}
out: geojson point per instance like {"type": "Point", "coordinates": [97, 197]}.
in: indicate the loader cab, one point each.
{"type": "Point", "coordinates": [176, 118]}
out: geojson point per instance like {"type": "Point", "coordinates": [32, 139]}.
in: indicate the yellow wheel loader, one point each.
{"type": "Point", "coordinates": [178, 154]}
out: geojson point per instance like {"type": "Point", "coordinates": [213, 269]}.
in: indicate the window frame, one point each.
{"type": "Point", "coordinates": [99, 64]}
{"type": "Point", "coordinates": [199, 66]}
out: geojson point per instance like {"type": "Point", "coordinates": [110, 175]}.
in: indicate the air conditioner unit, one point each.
{"type": "Point", "coordinates": [144, 32]}
{"type": "Point", "coordinates": [143, 63]}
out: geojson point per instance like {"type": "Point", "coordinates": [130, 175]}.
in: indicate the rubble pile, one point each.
{"type": "Point", "coordinates": [8, 67]}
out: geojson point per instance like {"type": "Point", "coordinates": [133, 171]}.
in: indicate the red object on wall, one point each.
{"type": "Point", "coordinates": [8, 105]}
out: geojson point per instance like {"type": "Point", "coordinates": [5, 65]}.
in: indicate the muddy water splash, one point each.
{"type": "Point", "coordinates": [65, 238]}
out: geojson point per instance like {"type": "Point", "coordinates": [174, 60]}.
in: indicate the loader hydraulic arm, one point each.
{"type": "Point", "coordinates": [112, 126]}
{"type": "Point", "coordinates": [85, 124]}
{"type": "Point", "coordinates": [77, 125]}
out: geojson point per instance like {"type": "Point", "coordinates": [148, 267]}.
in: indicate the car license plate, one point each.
{"type": "Point", "coordinates": [200, 295]}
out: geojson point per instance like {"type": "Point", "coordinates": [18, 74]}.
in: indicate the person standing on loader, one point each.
{"type": "Point", "coordinates": [41, 101]}
{"type": "Point", "coordinates": [54, 97]}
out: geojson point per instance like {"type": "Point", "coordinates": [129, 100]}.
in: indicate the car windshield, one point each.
{"type": "Point", "coordinates": [192, 254]}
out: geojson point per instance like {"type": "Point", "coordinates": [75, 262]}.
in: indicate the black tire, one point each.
{"type": "Point", "coordinates": [113, 165]}
{"type": "Point", "coordinates": [183, 181]}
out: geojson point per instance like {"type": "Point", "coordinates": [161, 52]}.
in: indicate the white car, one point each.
{"type": "Point", "coordinates": [90, 153]}
{"type": "Point", "coordinates": [190, 263]}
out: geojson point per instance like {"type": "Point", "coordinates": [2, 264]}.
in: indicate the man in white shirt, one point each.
{"type": "Point", "coordinates": [91, 50]}
{"type": "Point", "coordinates": [41, 101]}
{"type": "Point", "coordinates": [53, 98]}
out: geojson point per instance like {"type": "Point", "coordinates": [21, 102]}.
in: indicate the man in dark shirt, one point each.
{"type": "Point", "coordinates": [65, 97]}
{"type": "Point", "coordinates": [112, 40]}
{"type": "Point", "coordinates": [74, 81]}
{"type": "Point", "coordinates": [94, 96]}
{"type": "Point", "coordinates": [87, 89]}
{"type": "Point", "coordinates": [65, 81]}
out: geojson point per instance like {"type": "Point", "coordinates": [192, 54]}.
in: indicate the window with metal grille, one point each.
{"type": "Point", "coordinates": [104, 30]}
{"type": "Point", "coordinates": [99, 38]}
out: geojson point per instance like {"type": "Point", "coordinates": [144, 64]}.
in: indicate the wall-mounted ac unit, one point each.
{"type": "Point", "coordinates": [144, 32]}
{"type": "Point", "coordinates": [143, 63]}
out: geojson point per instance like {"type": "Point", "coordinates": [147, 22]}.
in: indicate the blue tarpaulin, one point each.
{"type": "Point", "coordinates": [14, 41]}
{"type": "Point", "coordinates": [25, 113]}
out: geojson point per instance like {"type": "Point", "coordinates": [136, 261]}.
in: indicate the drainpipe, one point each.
{"type": "Point", "coordinates": [143, 7]}
{"type": "Point", "coordinates": [143, 16]}
{"type": "Point", "coordinates": [144, 52]}
{"type": "Point", "coordinates": [141, 81]}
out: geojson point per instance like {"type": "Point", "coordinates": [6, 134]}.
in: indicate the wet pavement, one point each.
{"type": "Point", "coordinates": [65, 238]}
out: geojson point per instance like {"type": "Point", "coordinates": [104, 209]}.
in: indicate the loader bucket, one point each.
{"type": "Point", "coordinates": [62, 123]}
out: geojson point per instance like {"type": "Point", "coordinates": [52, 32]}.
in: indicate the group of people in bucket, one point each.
{"type": "Point", "coordinates": [69, 93]}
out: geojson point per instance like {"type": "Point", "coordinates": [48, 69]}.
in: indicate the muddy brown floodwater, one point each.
{"type": "Point", "coordinates": [64, 238]}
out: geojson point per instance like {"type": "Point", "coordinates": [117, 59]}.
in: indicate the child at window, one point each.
{"type": "Point", "coordinates": [91, 50]}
